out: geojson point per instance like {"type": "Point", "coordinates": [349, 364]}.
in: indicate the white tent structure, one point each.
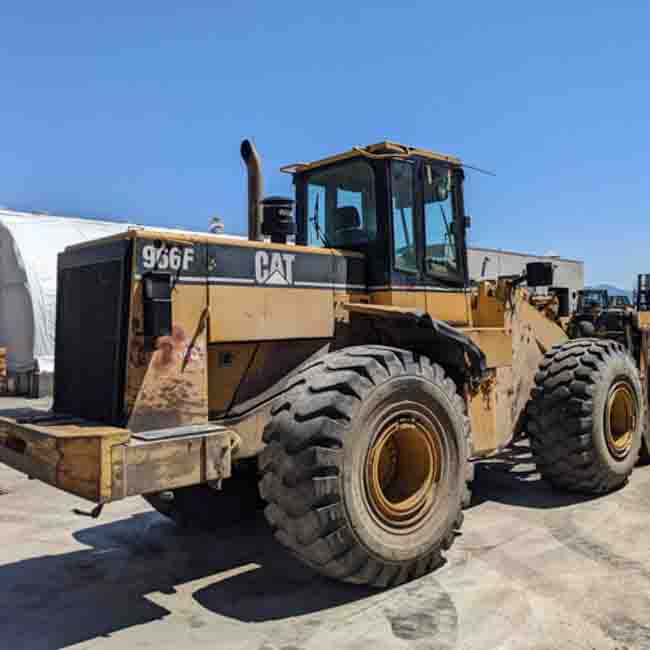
{"type": "Point", "coordinates": [29, 245]}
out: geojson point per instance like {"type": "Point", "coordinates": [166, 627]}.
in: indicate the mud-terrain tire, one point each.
{"type": "Point", "coordinates": [201, 506]}
{"type": "Point", "coordinates": [365, 465]}
{"type": "Point", "coordinates": [586, 416]}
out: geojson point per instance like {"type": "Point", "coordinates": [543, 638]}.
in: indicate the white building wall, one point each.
{"type": "Point", "coordinates": [488, 264]}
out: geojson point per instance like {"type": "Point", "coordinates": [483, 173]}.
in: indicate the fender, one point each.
{"type": "Point", "coordinates": [424, 329]}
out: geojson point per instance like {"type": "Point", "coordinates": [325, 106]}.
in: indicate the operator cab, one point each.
{"type": "Point", "coordinates": [592, 300]}
{"type": "Point", "coordinates": [620, 302]}
{"type": "Point", "coordinates": [401, 206]}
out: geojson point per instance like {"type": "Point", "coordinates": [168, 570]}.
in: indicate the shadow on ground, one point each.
{"type": "Point", "coordinates": [510, 477]}
{"type": "Point", "coordinates": [58, 600]}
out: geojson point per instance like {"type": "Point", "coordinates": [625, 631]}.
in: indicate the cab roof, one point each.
{"type": "Point", "coordinates": [385, 149]}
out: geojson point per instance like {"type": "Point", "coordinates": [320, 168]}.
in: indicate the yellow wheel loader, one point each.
{"type": "Point", "coordinates": [339, 365]}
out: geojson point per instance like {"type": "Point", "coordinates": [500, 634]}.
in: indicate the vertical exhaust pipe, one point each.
{"type": "Point", "coordinates": [255, 189]}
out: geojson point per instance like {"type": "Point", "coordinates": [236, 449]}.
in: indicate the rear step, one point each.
{"type": "Point", "coordinates": [178, 432]}
{"type": "Point", "coordinates": [103, 463]}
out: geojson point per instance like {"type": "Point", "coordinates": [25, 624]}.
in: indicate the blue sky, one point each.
{"type": "Point", "coordinates": [136, 110]}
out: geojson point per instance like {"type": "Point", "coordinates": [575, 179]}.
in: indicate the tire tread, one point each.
{"type": "Point", "coordinates": [302, 463]}
{"type": "Point", "coordinates": [559, 416]}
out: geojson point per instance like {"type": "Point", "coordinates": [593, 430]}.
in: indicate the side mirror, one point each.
{"type": "Point", "coordinates": [539, 274]}
{"type": "Point", "coordinates": [467, 222]}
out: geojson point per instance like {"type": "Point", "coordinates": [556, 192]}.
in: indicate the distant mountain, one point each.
{"type": "Point", "coordinates": [612, 290]}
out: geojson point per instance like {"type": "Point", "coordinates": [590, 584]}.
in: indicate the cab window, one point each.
{"type": "Point", "coordinates": [341, 205]}
{"type": "Point", "coordinates": [440, 246]}
{"type": "Point", "coordinates": [403, 202]}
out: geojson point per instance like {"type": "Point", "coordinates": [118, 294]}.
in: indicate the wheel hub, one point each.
{"type": "Point", "coordinates": [403, 467]}
{"type": "Point", "coordinates": [620, 419]}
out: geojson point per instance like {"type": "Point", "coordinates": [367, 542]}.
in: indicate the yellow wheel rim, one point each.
{"type": "Point", "coordinates": [620, 419]}
{"type": "Point", "coordinates": [403, 467]}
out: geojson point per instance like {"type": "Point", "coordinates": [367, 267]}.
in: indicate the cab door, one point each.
{"type": "Point", "coordinates": [443, 242]}
{"type": "Point", "coordinates": [406, 288]}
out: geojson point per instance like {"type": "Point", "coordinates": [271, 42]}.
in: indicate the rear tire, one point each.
{"type": "Point", "coordinates": [586, 416]}
{"type": "Point", "coordinates": [365, 466]}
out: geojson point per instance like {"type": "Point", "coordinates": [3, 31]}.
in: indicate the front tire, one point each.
{"type": "Point", "coordinates": [365, 466]}
{"type": "Point", "coordinates": [586, 416]}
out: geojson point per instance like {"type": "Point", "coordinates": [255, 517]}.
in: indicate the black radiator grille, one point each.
{"type": "Point", "coordinates": [92, 318]}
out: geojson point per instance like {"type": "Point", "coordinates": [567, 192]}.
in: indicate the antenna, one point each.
{"type": "Point", "coordinates": [477, 169]}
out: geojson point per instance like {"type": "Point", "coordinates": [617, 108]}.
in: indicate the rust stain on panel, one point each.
{"type": "Point", "coordinates": [167, 386]}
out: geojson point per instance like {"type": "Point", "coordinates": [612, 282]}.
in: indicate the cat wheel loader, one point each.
{"type": "Point", "coordinates": [338, 365]}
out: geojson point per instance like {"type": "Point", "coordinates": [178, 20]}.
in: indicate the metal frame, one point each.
{"type": "Point", "coordinates": [136, 467]}
{"type": "Point", "coordinates": [102, 463]}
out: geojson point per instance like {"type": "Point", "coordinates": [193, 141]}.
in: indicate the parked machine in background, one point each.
{"type": "Point", "coordinates": [620, 302]}
{"type": "Point", "coordinates": [590, 304]}
{"type": "Point", "coordinates": [642, 293]}
{"type": "Point", "coordinates": [357, 370]}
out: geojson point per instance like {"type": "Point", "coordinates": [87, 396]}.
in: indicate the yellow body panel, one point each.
{"type": "Point", "coordinates": [450, 306]}
{"type": "Point", "coordinates": [227, 364]}
{"type": "Point", "coordinates": [545, 331]}
{"type": "Point", "coordinates": [412, 299]}
{"type": "Point", "coordinates": [490, 411]}
{"type": "Point", "coordinates": [495, 342]}
{"type": "Point", "coordinates": [265, 313]}
{"type": "Point", "coordinates": [488, 310]}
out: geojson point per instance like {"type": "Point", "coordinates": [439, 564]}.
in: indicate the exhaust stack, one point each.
{"type": "Point", "coordinates": [255, 189]}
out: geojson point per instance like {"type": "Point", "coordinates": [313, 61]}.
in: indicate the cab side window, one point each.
{"type": "Point", "coordinates": [341, 205]}
{"type": "Point", "coordinates": [403, 200]}
{"type": "Point", "coordinates": [440, 248]}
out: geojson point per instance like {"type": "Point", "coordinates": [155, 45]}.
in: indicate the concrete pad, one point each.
{"type": "Point", "coordinates": [532, 569]}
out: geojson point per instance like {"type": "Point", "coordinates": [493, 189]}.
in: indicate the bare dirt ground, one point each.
{"type": "Point", "coordinates": [532, 569]}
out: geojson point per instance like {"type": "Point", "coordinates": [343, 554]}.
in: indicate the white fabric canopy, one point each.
{"type": "Point", "coordinates": [29, 245]}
